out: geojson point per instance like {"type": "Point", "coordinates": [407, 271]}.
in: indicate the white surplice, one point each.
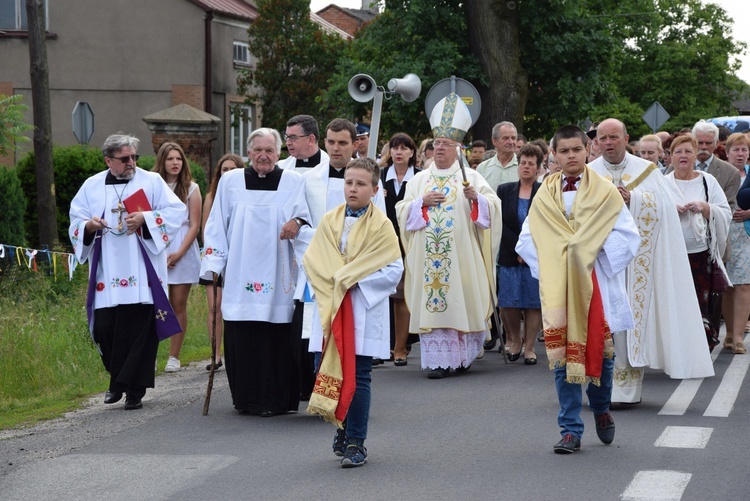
{"type": "Point", "coordinates": [370, 305]}
{"type": "Point", "coordinates": [242, 243]}
{"type": "Point", "coordinates": [668, 334]}
{"type": "Point", "coordinates": [121, 275]}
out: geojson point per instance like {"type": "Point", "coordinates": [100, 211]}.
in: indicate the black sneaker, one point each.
{"type": "Point", "coordinates": [355, 455]}
{"type": "Point", "coordinates": [568, 445]}
{"type": "Point", "coordinates": [438, 373]}
{"type": "Point", "coordinates": [605, 427]}
{"type": "Point", "coordinates": [339, 442]}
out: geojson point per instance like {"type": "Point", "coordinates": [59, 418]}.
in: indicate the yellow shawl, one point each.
{"type": "Point", "coordinates": [567, 248]}
{"type": "Point", "coordinates": [371, 245]}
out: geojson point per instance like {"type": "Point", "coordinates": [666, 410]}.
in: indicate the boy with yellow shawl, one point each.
{"type": "Point", "coordinates": [353, 265]}
{"type": "Point", "coordinates": [578, 240]}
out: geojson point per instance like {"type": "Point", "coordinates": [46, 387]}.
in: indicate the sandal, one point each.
{"type": "Point", "coordinates": [739, 348]}
{"type": "Point", "coordinates": [728, 343]}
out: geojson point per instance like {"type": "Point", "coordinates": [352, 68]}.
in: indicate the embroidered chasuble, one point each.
{"type": "Point", "coordinates": [450, 262]}
{"type": "Point", "coordinates": [370, 246]}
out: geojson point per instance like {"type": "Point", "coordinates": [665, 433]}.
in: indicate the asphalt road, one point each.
{"type": "Point", "coordinates": [486, 434]}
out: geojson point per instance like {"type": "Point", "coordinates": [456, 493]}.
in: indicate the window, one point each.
{"type": "Point", "coordinates": [13, 15]}
{"type": "Point", "coordinates": [241, 53]}
{"type": "Point", "coordinates": [242, 120]}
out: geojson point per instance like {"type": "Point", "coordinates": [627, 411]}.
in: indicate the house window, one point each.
{"type": "Point", "coordinates": [13, 15]}
{"type": "Point", "coordinates": [242, 120]}
{"type": "Point", "coordinates": [241, 54]}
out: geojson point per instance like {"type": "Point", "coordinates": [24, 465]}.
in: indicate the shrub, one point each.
{"type": "Point", "coordinates": [12, 205]}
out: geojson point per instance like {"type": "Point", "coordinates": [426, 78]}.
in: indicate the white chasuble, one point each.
{"type": "Point", "coordinates": [121, 276]}
{"type": "Point", "coordinates": [668, 334]}
{"type": "Point", "coordinates": [242, 243]}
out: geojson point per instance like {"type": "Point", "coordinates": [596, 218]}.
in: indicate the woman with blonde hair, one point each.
{"type": "Point", "coordinates": [183, 263]}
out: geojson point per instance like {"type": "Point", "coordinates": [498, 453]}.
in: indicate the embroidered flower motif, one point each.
{"type": "Point", "coordinates": [259, 287]}
{"type": "Point", "coordinates": [162, 228]}
{"type": "Point", "coordinates": [216, 252]}
{"type": "Point", "coordinates": [159, 220]}
{"type": "Point", "coordinates": [209, 251]}
{"type": "Point", "coordinates": [100, 286]}
{"type": "Point", "coordinates": [75, 232]}
{"type": "Point", "coordinates": [165, 238]}
{"type": "Point", "coordinates": [124, 282]}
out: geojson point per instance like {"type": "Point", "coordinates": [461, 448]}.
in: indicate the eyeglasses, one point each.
{"type": "Point", "coordinates": [443, 144]}
{"type": "Point", "coordinates": [292, 138]}
{"type": "Point", "coordinates": [127, 158]}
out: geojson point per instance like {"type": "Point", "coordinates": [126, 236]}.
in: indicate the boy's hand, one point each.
{"type": "Point", "coordinates": [625, 194]}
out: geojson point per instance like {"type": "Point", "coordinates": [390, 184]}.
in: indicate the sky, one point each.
{"type": "Point", "coordinates": [738, 10]}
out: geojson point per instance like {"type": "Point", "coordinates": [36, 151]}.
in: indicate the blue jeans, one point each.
{"type": "Point", "coordinates": [570, 397]}
{"type": "Point", "coordinates": [359, 410]}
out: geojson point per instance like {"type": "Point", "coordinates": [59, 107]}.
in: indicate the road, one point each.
{"type": "Point", "coordinates": [486, 434]}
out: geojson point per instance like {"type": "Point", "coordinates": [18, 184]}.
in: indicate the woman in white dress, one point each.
{"type": "Point", "coordinates": [183, 261]}
{"type": "Point", "coordinates": [736, 304]}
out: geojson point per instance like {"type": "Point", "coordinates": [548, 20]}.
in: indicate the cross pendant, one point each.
{"type": "Point", "coordinates": [119, 210]}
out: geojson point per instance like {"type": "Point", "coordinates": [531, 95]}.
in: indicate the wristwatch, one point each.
{"type": "Point", "coordinates": [299, 222]}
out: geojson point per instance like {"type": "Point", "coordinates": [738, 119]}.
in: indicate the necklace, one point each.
{"type": "Point", "coordinates": [283, 269]}
{"type": "Point", "coordinates": [120, 207]}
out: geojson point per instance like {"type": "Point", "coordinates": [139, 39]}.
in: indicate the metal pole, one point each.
{"type": "Point", "coordinates": [377, 105]}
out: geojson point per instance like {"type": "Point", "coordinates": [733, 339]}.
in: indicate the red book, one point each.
{"type": "Point", "coordinates": [137, 202]}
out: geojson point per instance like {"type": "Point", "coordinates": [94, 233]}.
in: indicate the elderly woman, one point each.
{"type": "Point", "coordinates": [518, 291]}
{"type": "Point", "coordinates": [704, 217]}
{"type": "Point", "coordinates": [736, 304]}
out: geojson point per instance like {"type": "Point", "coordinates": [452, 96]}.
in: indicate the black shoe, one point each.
{"type": "Point", "coordinates": [605, 427]}
{"type": "Point", "coordinates": [339, 442]}
{"type": "Point", "coordinates": [377, 361]}
{"type": "Point", "coordinates": [400, 362]}
{"type": "Point", "coordinates": [568, 445]}
{"type": "Point", "coordinates": [266, 413]}
{"type": "Point", "coordinates": [529, 361]}
{"type": "Point", "coordinates": [132, 402]}
{"type": "Point", "coordinates": [219, 365]}
{"type": "Point", "coordinates": [463, 369]}
{"type": "Point", "coordinates": [438, 373]}
{"type": "Point", "coordinates": [490, 345]}
{"type": "Point", "coordinates": [512, 357]}
{"type": "Point", "coordinates": [112, 397]}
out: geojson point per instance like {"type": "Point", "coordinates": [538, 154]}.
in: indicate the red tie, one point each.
{"type": "Point", "coordinates": [570, 183]}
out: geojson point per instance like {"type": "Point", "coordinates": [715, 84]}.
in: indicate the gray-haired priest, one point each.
{"type": "Point", "coordinates": [248, 241]}
{"type": "Point", "coordinates": [124, 244]}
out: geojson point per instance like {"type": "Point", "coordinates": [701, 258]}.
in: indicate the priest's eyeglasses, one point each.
{"type": "Point", "coordinates": [127, 158]}
{"type": "Point", "coordinates": [291, 138]}
{"type": "Point", "coordinates": [442, 144]}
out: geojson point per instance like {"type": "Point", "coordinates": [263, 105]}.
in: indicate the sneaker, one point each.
{"type": "Point", "coordinates": [438, 373]}
{"type": "Point", "coordinates": [569, 444]}
{"type": "Point", "coordinates": [605, 427]}
{"type": "Point", "coordinates": [173, 365]}
{"type": "Point", "coordinates": [339, 442]}
{"type": "Point", "coordinates": [355, 455]}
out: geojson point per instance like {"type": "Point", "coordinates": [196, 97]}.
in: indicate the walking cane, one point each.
{"type": "Point", "coordinates": [213, 350]}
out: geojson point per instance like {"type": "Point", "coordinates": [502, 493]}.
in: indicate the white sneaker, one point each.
{"type": "Point", "coordinates": [173, 365]}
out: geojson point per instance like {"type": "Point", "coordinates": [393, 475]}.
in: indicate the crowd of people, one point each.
{"type": "Point", "coordinates": [618, 256]}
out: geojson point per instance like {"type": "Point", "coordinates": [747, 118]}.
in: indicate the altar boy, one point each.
{"type": "Point", "coordinates": [353, 265]}
{"type": "Point", "coordinates": [578, 240]}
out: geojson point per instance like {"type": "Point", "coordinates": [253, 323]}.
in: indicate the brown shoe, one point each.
{"type": "Point", "coordinates": [728, 343]}
{"type": "Point", "coordinates": [739, 348]}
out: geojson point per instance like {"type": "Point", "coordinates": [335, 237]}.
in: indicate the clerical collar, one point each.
{"type": "Point", "coordinates": [333, 173]}
{"type": "Point", "coordinates": [270, 182]}
{"type": "Point", "coordinates": [356, 213]}
{"type": "Point", "coordinates": [620, 166]}
{"type": "Point", "coordinates": [309, 162]}
{"type": "Point", "coordinates": [111, 179]}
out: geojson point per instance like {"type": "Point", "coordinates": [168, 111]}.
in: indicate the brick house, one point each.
{"type": "Point", "coordinates": [349, 20]}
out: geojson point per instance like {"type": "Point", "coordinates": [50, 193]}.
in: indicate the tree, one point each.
{"type": "Point", "coordinates": [424, 37]}
{"type": "Point", "coordinates": [295, 59]}
{"type": "Point", "coordinates": [12, 125]}
{"type": "Point", "coordinates": [45, 176]}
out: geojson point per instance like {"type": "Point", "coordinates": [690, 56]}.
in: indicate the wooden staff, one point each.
{"type": "Point", "coordinates": [210, 386]}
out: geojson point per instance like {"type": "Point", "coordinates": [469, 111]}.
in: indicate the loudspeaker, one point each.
{"type": "Point", "coordinates": [362, 88]}
{"type": "Point", "coordinates": [408, 87]}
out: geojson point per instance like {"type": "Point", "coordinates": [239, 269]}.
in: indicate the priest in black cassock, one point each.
{"type": "Point", "coordinates": [247, 242]}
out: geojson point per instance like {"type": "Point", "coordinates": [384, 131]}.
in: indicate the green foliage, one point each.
{"type": "Point", "coordinates": [73, 165]}
{"type": "Point", "coordinates": [48, 363]}
{"type": "Point", "coordinates": [424, 37]}
{"type": "Point", "coordinates": [147, 162]}
{"type": "Point", "coordinates": [295, 59]}
{"type": "Point", "coordinates": [12, 125]}
{"type": "Point", "coordinates": [12, 205]}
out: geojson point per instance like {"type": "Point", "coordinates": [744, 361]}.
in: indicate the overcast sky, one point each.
{"type": "Point", "coordinates": [738, 10]}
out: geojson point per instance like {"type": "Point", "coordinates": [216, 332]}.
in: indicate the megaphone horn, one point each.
{"type": "Point", "coordinates": [408, 87]}
{"type": "Point", "coordinates": [362, 87]}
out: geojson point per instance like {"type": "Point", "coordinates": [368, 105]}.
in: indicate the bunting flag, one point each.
{"type": "Point", "coordinates": [30, 258]}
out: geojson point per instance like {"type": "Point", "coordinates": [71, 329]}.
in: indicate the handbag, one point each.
{"type": "Point", "coordinates": [719, 282]}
